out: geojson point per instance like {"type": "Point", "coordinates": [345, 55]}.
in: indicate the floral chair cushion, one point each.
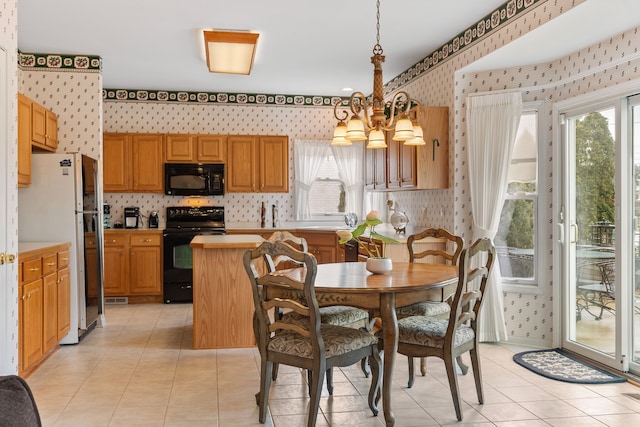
{"type": "Point", "coordinates": [440, 310]}
{"type": "Point", "coordinates": [336, 315]}
{"type": "Point", "coordinates": [430, 332]}
{"type": "Point", "coordinates": [337, 340]}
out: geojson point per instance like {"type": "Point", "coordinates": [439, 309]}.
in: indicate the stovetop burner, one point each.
{"type": "Point", "coordinates": [195, 217]}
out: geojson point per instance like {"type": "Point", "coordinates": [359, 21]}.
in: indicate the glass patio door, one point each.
{"type": "Point", "coordinates": [590, 249]}
{"type": "Point", "coordinates": [601, 204]}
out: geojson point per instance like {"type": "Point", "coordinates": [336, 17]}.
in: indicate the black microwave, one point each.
{"type": "Point", "coordinates": [194, 179]}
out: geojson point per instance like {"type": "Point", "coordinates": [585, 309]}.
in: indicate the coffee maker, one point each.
{"type": "Point", "coordinates": [153, 219]}
{"type": "Point", "coordinates": [131, 217]}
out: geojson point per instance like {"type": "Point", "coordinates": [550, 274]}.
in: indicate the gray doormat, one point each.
{"type": "Point", "coordinates": [558, 365]}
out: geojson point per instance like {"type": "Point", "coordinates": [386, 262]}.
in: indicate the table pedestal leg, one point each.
{"type": "Point", "coordinates": [390, 335]}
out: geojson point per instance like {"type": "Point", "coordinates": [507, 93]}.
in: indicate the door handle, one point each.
{"type": "Point", "coordinates": [574, 237]}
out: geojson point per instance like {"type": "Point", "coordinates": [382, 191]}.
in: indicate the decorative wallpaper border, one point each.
{"type": "Point", "coordinates": [59, 61]}
{"type": "Point", "coordinates": [486, 25]}
{"type": "Point", "coordinates": [219, 98]}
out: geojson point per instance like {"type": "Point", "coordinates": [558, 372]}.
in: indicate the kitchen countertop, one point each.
{"type": "Point", "coordinates": [26, 248]}
{"type": "Point", "coordinates": [235, 241]}
{"type": "Point", "coordinates": [385, 229]}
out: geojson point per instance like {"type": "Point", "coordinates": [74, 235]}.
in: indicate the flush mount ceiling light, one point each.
{"type": "Point", "coordinates": [377, 122]}
{"type": "Point", "coordinates": [230, 52]}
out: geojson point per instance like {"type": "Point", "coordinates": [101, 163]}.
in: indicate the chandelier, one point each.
{"type": "Point", "coordinates": [371, 115]}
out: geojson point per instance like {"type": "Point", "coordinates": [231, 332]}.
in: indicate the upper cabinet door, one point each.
{"type": "Point", "coordinates": [115, 162]}
{"type": "Point", "coordinates": [211, 148]}
{"type": "Point", "coordinates": [147, 167]}
{"type": "Point", "coordinates": [179, 148]}
{"type": "Point", "coordinates": [242, 164]}
{"type": "Point", "coordinates": [433, 157]}
{"type": "Point", "coordinates": [24, 141]}
{"type": "Point", "coordinates": [274, 164]}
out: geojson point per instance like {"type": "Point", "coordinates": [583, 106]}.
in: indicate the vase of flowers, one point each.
{"type": "Point", "coordinates": [377, 262]}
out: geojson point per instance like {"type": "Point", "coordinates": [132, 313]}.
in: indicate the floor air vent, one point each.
{"type": "Point", "coordinates": [116, 300]}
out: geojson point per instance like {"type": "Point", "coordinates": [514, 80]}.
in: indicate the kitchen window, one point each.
{"type": "Point", "coordinates": [516, 239]}
{"type": "Point", "coordinates": [327, 197]}
{"type": "Point", "coordinates": [328, 180]}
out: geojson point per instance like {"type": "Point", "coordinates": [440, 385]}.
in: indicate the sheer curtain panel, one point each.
{"type": "Point", "coordinates": [492, 122]}
{"type": "Point", "coordinates": [350, 165]}
{"type": "Point", "coordinates": [308, 156]}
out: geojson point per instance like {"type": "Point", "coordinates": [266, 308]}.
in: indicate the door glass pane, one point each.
{"type": "Point", "coordinates": [594, 253]}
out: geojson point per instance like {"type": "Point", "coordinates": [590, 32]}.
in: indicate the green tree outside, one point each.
{"type": "Point", "coordinates": [595, 173]}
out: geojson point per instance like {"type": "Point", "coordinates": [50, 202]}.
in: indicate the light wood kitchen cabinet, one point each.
{"type": "Point", "coordinates": [145, 252]}
{"type": "Point", "coordinates": [37, 128]}
{"type": "Point", "coordinates": [44, 309]}
{"type": "Point", "coordinates": [402, 164]}
{"type": "Point", "coordinates": [433, 157]}
{"type": "Point", "coordinates": [44, 127]}
{"type": "Point", "coordinates": [31, 324]}
{"type": "Point", "coordinates": [50, 301]}
{"type": "Point", "coordinates": [133, 163]}
{"type": "Point", "coordinates": [115, 264]}
{"type": "Point", "coordinates": [405, 167]}
{"type": "Point", "coordinates": [24, 141]}
{"type": "Point", "coordinates": [257, 164]}
{"type": "Point", "coordinates": [375, 169]}
{"type": "Point", "coordinates": [64, 294]}
{"type": "Point", "coordinates": [133, 265]}
{"type": "Point", "coordinates": [115, 162]}
{"type": "Point", "coordinates": [147, 173]}
{"type": "Point", "coordinates": [184, 148]}
{"type": "Point", "coordinates": [322, 244]}
{"type": "Point", "coordinates": [391, 168]}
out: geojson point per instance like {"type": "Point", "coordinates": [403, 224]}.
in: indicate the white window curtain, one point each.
{"type": "Point", "coordinates": [492, 123]}
{"type": "Point", "coordinates": [308, 156]}
{"type": "Point", "coordinates": [349, 159]}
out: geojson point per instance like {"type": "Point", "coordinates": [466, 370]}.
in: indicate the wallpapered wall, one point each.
{"type": "Point", "coordinates": [528, 315]}
{"type": "Point", "coordinates": [9, 289]}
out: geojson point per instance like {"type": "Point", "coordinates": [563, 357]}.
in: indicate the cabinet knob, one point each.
{"type": "Point", "coordinates": [145, 240]}
{"type": "Point", "coordinates": [65, 259]}
{"type": "Point", "coordinates": [51, 264]}
{"type": "Point", "coordinates": [34, 269]}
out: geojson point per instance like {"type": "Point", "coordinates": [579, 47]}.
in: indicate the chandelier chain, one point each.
{"type": "Point", "coordinates": [377, 49]}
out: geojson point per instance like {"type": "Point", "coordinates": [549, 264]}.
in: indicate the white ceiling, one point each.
{"type": "Point", "coordinates": [305, 47]}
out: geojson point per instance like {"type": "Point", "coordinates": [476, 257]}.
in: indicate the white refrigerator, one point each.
{"type": "Point", "coordinates": [64, 204]}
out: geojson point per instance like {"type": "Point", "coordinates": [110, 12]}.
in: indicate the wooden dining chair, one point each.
{"type": "Point", "coordinates": [431, 308]}
{"type": "Point", "coordinates": [424, 336]}
{"type": "Point", "coordinates": [335, 315]}
{"type": "Point", "coordinates": [311, 345]}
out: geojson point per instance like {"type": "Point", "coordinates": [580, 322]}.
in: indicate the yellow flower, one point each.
{"type": "Point", "coordinates": [344, 235]}
{"type": "Point", "coordinates": [370, 222]}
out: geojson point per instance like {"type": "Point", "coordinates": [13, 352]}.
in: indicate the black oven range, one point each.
{"type": "Point", "coordinates": [183, 224]}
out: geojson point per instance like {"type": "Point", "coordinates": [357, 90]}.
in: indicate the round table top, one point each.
{"type": "Point", "coordinates": [404, 276]}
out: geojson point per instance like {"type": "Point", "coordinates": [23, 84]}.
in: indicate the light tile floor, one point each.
{"type": "Point", "coordinates": [140, 370]}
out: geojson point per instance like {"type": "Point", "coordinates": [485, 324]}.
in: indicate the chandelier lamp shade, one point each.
{"type": "Point", "coordinates": [370, 115]}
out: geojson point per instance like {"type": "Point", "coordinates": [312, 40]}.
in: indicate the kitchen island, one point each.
{"type": "Point", "coordinates": [222, 297]}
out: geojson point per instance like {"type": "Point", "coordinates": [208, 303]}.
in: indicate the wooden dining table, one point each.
{"type": "Point", "coordinates": [407, 283]}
